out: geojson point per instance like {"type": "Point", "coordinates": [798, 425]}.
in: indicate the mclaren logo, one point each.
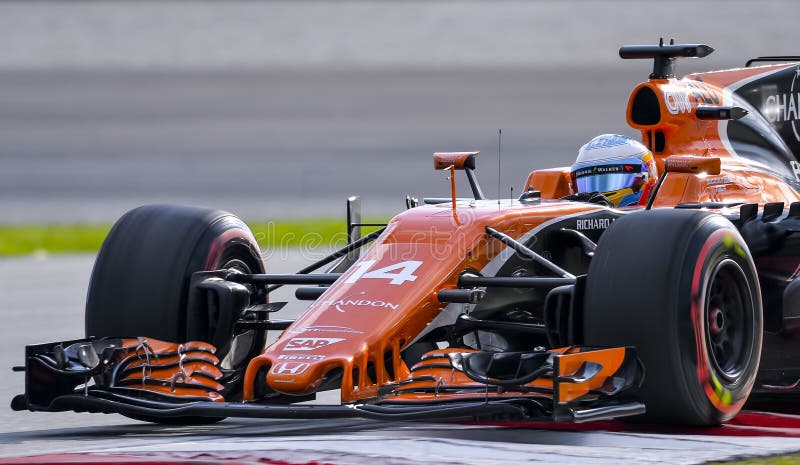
{"type": "Point", "coordinates": [310, 343]}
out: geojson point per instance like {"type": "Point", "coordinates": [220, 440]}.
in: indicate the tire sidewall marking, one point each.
{"type": "Point", "coordinates": [217, 248]}
{"type": "Point", "coordinates": [721, 397]}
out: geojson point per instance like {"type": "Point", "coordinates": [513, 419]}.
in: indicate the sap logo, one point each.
{"type": "Point", "coordinates": [290, 368]}
{"type": "Point", "coordinates": [310, 343]}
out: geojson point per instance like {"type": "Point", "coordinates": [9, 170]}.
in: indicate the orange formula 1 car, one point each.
{"type": "Point", "coordinates": [561, 305]}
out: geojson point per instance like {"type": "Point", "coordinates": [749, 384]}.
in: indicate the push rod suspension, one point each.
{"type": "Point", "coordinates": [524, 251]}
{"type": "Point", "coordinates": [468, 281]}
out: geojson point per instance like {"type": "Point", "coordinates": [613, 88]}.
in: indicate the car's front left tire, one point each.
{"type": "Point", "coordinates": [140, 281]}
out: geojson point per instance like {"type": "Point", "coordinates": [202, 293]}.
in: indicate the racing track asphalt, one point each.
{"type": "Point", "coordinates": [44, 298]}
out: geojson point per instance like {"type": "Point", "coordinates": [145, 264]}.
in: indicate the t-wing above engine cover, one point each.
{"type": "Point", "coordinates": [459, 160]}
{"type": "Point", "coordinates": [664, 55]}
{"type": "Point", "coordinates": [668, 51]}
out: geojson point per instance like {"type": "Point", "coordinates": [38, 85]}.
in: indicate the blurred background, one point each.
{"type": "Point", "coordinates": [281, 109]}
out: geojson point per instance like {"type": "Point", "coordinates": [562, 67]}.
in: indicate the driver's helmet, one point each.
{"type": "Point", "coordinates": [620, 168]}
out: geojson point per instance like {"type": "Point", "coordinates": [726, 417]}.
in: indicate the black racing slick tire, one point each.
{"type": "Point", "coordinates": [140, 281]}
{"type": "Point", "coordinates": [680, 286]}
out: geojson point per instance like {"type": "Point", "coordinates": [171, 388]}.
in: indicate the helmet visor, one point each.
{"type": "Point", "coordinates": [609, 177]}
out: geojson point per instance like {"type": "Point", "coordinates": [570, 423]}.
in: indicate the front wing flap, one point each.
{"type": "Point", "coordinates": [567, 383]}
{"type": "Point", "coordinates": [143, 377]}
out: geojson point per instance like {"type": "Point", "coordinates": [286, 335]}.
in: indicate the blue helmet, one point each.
{"type": "Point", "coordinates": [617, 166]}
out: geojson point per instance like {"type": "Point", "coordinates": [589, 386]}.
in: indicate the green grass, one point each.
{"type": "Point", "coordinates": [83, 238]}
{"type": "Point", "coordinates": [30, 239]}
{"type": "Point", "coordinates": [783, 460]}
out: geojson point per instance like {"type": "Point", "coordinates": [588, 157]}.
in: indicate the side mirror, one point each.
{"type": "Point", "coordinates": [464, 161]}
{"type": "Point", "coordinates": [459, 160]}
{"type": "Point", "coordinates": [691, 164]}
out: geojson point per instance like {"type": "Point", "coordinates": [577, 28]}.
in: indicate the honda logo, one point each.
{"type": "Point", "coordinates": [290, 368]}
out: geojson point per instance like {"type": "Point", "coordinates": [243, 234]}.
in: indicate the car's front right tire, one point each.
{"type": "Point", "coordinates": [680, 286]}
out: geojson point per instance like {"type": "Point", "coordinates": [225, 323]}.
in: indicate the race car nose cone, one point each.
{"type": "Point", "coordinates": [296, 377]}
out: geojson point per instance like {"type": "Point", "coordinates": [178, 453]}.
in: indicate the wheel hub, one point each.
{"type": "Point", "coordinates": [716, 321]}
{"type": "Point", "coordinates": [728, 329]}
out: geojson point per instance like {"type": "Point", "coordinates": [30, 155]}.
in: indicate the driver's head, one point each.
{"type": "Point", "coordinates": [619, 167]}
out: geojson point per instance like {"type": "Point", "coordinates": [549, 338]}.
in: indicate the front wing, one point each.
{"type": "Point", "coordinates": [146, 378]}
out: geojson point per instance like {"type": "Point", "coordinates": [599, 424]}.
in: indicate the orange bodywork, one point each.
{"type": "Point", "coordinates": [360, 325]}
{"type": "Point", "coordinates": [686, 135]}
{"type": "Point", "coordinates": [563, 383]}
{"type": "Point", "coordinates": [553, 183]}
{"type": "Point", "coordinates": [189, 370]}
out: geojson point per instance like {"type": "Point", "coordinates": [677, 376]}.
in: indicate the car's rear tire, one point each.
{"type": "Point", "coordinates": [680, 286]}
{"type": "Point", "coordinates": [140, 281]}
